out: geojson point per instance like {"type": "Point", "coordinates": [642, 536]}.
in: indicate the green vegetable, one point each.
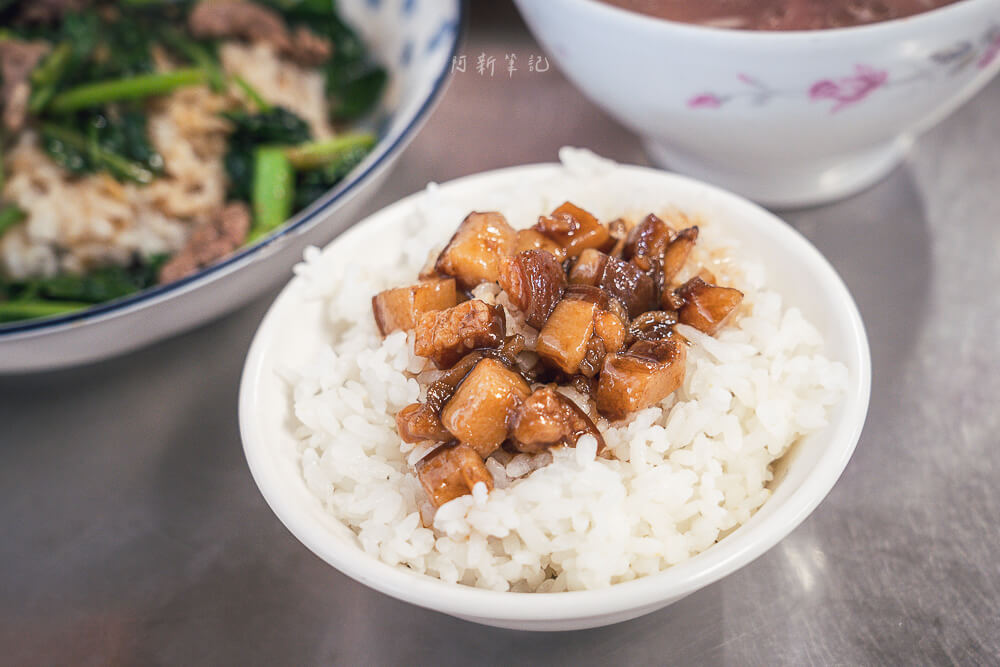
{"type": "Point", "coordinates": [273, 127]}
{"type": "Point", "coordinates": [251, 92]}
{"type": "Point", "coordinates": [311, 185]}
{"type": "Point", "coordinates": [320, 7]}
{"type": "Point", "coordinates": [199, 55]}
{"type": "Point", "coordinates": [10, 215]}
{"type": "Point", "coordinates": [46, 77]}
{"type": "Point", "coordinates": [99, 285]}
{"type": "Point", "coordinates": [354, 96]}
{"type": "Point", "coordinates": [273, 190]}
{"type": "Point", "coordinates": [131, 88]}
{"type": "Point", "coordinates": [78, 153]}
{"type": "Point", "coordinates": [12, 311]}
{"type": "Point", "coordinates": [43, 297]}
{"type": "Point", "coordinates": [354, 82]}
{"type": "Point", "coordinates": [321, 153]}
{"type": "Point", "coordinates": [120, 46]}
{"type": "Point", "coordinates": [82, 31]}
{"type": "Point", "coordinates": [279, 125]}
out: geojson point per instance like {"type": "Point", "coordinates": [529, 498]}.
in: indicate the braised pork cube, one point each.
{"type": "Point", "coordinates": [548, 418]}
{"type": "Point", "coordinates": [653, 325]}
{"type": "Point", "coordinates": [647, 242]}
{"type": "Point", "coordinates": [573, 229]}
{"type": "Point", "coordinates": [670, 300]}
{"type": "Point", "coordinates": [534, 281]}
{"type": "Point", "coordinates": [618, 231]}
{"type": "Point", "coordinates": [610, 333]}
{"type": "Point", "coordinates": [564, 339]}
{"type": "Point", "coordinates": [451, 471]}
{"type": "Point", "coordinates": [644, 375]}
{"type": "Point", "coordinates": [474, 253]}
{"type": "Point", "coordinates": [585, 325]}
{"type": "Point", "coordinates": [445, 336]}
{"type": "Point", "coordinates": [532, 239]}
{"type": "Point", "coordinates": [611, 323]}
{"type": "Point", "coordinates": [479, 412]}
{"type": "Point", "coordinates": [402, 307]}
{"type": "Point", "coordinates": [706, 307]}
{"type": "Point", "coordinates": [589, 267]}
{"type": "Point", "coordinates": [678, 251]}
{"type": "Point", "coordinates": [418, 422]}
{"type": "Point", "coordinates": [633, 287]}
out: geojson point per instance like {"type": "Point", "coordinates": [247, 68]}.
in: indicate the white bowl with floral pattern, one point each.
{"type": "Point", "coordinates": [785, 118]}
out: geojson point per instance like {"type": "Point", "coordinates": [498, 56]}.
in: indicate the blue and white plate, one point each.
{"type": "Point", "coordinates": [415, 40]}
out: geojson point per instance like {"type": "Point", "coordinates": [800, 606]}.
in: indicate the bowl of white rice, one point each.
{"type": "Point", "coordinates": [689, 490]}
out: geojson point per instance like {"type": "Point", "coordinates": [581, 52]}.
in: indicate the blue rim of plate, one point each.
{"type": "Point", "coordinates": [456, 28]}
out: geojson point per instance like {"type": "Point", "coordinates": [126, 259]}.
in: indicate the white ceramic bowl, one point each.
{"type": "Point", "coordinates": [415, 41]}
{"type": "Point", "coordinates": [785, 118]}
{"type": "Point", "coordinates": [293, 331]}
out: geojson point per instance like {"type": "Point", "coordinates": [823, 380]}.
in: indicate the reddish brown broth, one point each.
{"type": "Point", "coordinates": [780, 14]}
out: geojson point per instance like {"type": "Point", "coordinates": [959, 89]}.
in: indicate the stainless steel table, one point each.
{"type": "Point", "coordinates": [132, 532]}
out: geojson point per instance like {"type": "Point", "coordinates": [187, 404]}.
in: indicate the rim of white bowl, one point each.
{"type": "Point", "coordinates": [613, 12]}
{"type": "Point", "coordinates": [375, 162]}
{"type": "Point", "coordinates": [724, 557]}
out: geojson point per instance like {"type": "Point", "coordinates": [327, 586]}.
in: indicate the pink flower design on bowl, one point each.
{"type": "Point", "coordinates": [849, 90]}
{"type": "Point", "coordinates": [992, 50]}
{"type": "Point", "coordinates": [705, 101]}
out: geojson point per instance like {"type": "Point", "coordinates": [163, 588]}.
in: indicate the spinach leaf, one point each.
{"type": "Point", "coordinates": [122, 49]}
{"type": "Point", "coordinates": [311, 185]}
{"type": "Point", "coordinates": [101, 284]}
{"type": "Point", "coordinates": [354, 82]}
{"type": "Point", "coordinates": [123, 135]}
{"type": "Point", "coordinates": [274, 126]}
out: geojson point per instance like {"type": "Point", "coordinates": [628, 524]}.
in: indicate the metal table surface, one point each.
{"type": "Point", "coordinates": [133, 532]}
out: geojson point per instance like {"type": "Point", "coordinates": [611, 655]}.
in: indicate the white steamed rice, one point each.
{"type": "Point", "coordinates": [683, 474]}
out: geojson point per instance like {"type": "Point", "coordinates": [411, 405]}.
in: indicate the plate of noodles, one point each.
{"type": "Point", "coordinates": [165, 162]}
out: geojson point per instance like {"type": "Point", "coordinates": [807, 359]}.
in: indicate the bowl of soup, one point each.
{"type": "Point", "coordinates": [788, 102]}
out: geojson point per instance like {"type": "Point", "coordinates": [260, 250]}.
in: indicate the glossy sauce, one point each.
{"type": "Point", "coordinates": [780, 14]}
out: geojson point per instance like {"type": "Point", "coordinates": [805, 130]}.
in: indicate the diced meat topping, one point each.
{"type": "Point", "coordinates": [564, 339]}
{"type": "Point", "coordinates": [706, 306]}
{"type": "Point", "coordinates": [615, 245]}
{"type": "Point", "coordinates": [532, 239]}
{"type": "Point", "coordinates": [17, 60]}
{"type": "Point", "coordinates": [209, 242]}
{"type": "Point", "coordinates": [445, 336]}
{"type": "Point", "coordinates": [534, 281]}
{"type": "Point", "coordinates": [585, 325]}
{"type": "Point", "coordinates": [573, 228]}
{"type": "Point", "coordinates": [451, 471]}
{"type": "Point", "coordinates": [589, 268]}
{"type": "Point", "coordinates": [242, 19]}
{"type": "Point", "coordinates": [602, 301]}
{"type": "Point", "coordinates": [548, 418]}
{"type": "Point", "coordinates": [653, 325]}
{"type": "Point", "coordinates": [633, 287]}
{"type": "Point", "coordinates": [678, 251]}
{"type": "Point", "coordinates": [477, 249]}
{"type": "Point", "coordinates": [402, 307]}
{"type": "Point", "coordinates": [647, 242]}
{"type": "Point", "coordinates": [480, 410]}
{"type": "Point", "coordinates": [640, 377]}
{"type": "Point", "coordinates": [418, 422]}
